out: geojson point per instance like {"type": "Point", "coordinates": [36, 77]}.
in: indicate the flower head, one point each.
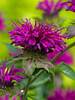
{"type": "Point", "coordinates": [63, 95]}
{"type": "Point", "coordinates": [39, 37]}
{"type": "Point", "coordinates": [8, 76]}
{"type": "Point", "coordinates": [71, 5]}
{"type": "Point", "coordinates": [50, 7]}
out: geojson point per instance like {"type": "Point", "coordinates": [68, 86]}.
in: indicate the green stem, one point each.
{"type": "Point", "coordinates": [37, 75]}
{"type": "Point", "coordinates": [26, 90]}
{"type": "Point", "coordinates": [17, 59]}
{"type": "Point", "coordinates": [29, 82]}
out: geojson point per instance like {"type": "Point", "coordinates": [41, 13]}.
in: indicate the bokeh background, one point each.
{"type": "Point", "coordinates": [16, 10]}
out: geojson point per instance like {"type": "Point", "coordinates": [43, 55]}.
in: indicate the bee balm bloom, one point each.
{"type": "Point", "coordinates": [50, 7]}
{"type": "Point", "coordinates": [39, 37]}
{"type": "Point", "coordinates": [8, 76]}
{"type": "Point", "coordinates": [71, 5]}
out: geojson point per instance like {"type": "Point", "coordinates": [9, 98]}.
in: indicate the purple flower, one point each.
{"type": "Point", "coordinates": [7, 97]}
{"type": "Point", "coordinates": [71, 5]}
{"type": "Point", "coordinates": [63, 95]}
{"type": "Point", "coordinates": [2, 25]}
{"type": "Point", "coordinates": [50, 7]}
{"type": "Point", "coordinates": [9, 75]}
{"type": "Point", "coordinates": [66, 57]}
{"type": "Point", "coordinates": [39, 37]}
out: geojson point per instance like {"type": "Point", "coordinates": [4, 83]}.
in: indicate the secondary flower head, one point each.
{"type": "Point", "coordinates": [2, 25]}
{"type": "Point", "coordinates": [71, 5]}
{"type": "Point", "coordinates": [38, 37]}
{"type": "Point", "coordinates": [9, 75]}
{"type": "Point", "coordinates": [50, 7]}
{"type": "Point", "coordinates": [66, 57]}
{"type": "Point", "coordinates": [63, 95]}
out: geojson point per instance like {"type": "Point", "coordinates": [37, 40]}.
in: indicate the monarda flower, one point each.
{"type": "Point", "coordinates": [2, 25]}
{"type": "Point", "coordinates": [9, 75]}
{"type": "Point", "coordinates": [71, 5]}
{"type": "Point", "coordinates": [38, 38]}
{"type": "Point", "coordinates": [49, 7]}
{"type": "Point", "coordinates": [43, 38]}
{"type": "Point", "coordinates": [63, 95]}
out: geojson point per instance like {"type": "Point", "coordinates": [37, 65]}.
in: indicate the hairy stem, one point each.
{"type": "Point", "coordinates": [17, 59]}
{"type": "Point", "coordinates": [29, 82]}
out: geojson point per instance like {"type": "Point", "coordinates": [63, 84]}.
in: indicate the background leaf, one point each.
{"type": "Point", "coordinates": [67, 70]}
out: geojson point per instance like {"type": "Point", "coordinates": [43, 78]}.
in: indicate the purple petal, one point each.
{"type": "Point", "coordinates": [6, 97]}
{"type": "Point", "coordinates": [14, 98]}
{"type": "Point", "coordinates": [14, 70]}
{"type": "Point", "coordinates": [18, 77]}
{"type": "Point", "coordinates": [66, 58]}
{"type": "Point", "coordinates": [32, 41]}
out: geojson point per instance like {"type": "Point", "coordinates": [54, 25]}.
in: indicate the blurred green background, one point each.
{"type": "Point", "coordinates": [14, 10]}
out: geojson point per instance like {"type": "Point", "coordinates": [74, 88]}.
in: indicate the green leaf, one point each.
{"type": "Point", "coordinates": [11, 47]}
{"type": "Point", "coordinates": [22, 84]}
{"type": "Point", "coordinates": [40, 92]}
{"type": "Point", "coordinates": [14, 51]}
{"type": "Point", "coordinates": [36, 94]}
{"type": "Point", "coordinates": [41, 77]}
{"type": "Point", "coordinates": [67, 70]}
{"type": "Point", "coordinates": [2, 92]}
